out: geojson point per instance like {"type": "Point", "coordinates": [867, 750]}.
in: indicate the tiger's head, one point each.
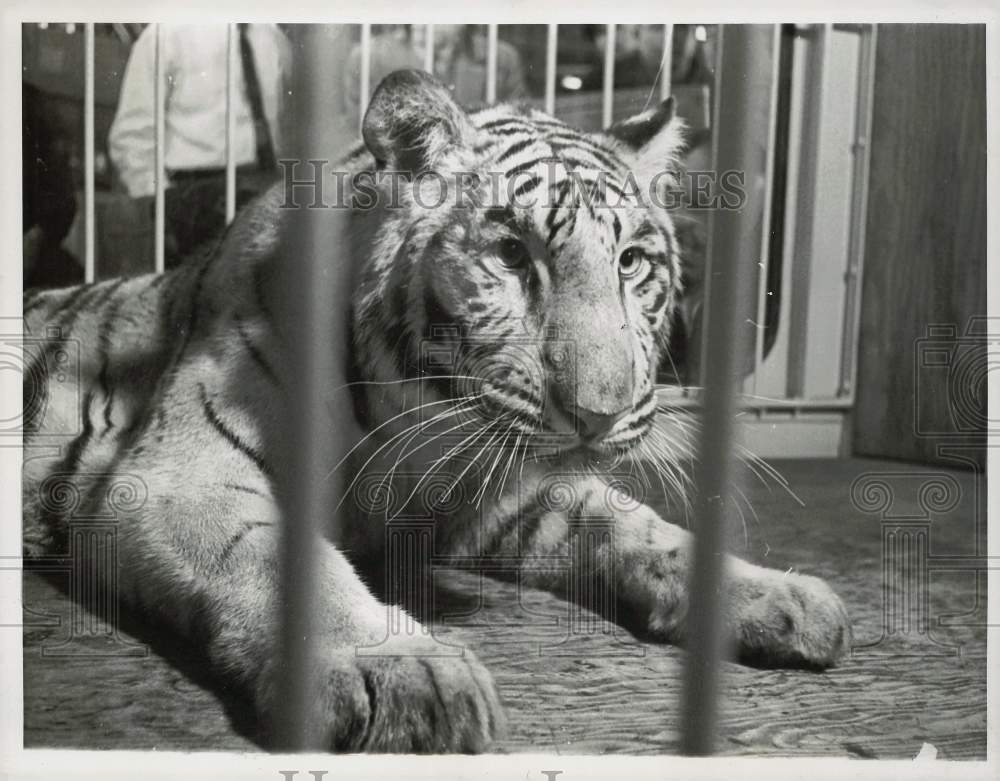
{"type": "Point", "coordinates": [518, 266]}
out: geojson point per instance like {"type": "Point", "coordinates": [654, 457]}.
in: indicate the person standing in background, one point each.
{"type": "Point", "coordinates": [460, 62]}
{"type": "Point", "coordinates": [48, 202]}
{"type": "Point", "coordinates": [193, 61]}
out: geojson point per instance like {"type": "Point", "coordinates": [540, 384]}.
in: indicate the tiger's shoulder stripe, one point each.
{"type": "Point", "coordinates": [255, 352]}
{"type": "Point", "coordinates": [234, 440]}
{"type": "Point", "coordinates": [514, 149]}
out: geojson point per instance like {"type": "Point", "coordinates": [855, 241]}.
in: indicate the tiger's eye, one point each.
{"type": "Point", "coordinates": [513, 253]}
{"type": "Point", "coordinates": [631, 263]}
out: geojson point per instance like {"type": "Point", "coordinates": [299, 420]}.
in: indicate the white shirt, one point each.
{"type": "Point", "coordinates": [194, 66]}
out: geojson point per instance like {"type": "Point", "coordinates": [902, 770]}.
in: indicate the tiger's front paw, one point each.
{"type": "Point", "coordinates": [787, 620]}
{"type": "Point", "coordinates": [403, 700]}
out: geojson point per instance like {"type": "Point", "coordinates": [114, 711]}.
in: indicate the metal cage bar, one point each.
{"type": "Point", "coordinates": [608, 98]}
{"type": "Point", "coordinates": [492, 43]}
{"type": "Point", "coordinates": [551, 58]}
{"type": "Point", "coordinates": [765, 234]}
{"type": "Point", "coordinates": [668, 60]}
{"type": "Point", "coordinates": [311, 290]}
{"type": "Point", "coordinates": [231, 67]}
{"type": "Point", "coordinates": [859, 211]}
{"type": "Point", "coordinates": [159, 174]}
{"type": "Point", "coordinates": [365, 75]}
{"type": "Point", "coordinates": [89, 239]}
{"type": "Point", "coordinates": [728, 284]}
{"type": "Point", "coordinates": [429, 48]}
{"type": "Point", "coordinates": [816, 57]}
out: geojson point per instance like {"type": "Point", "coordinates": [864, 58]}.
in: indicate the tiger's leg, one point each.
{"type": "Point", "coordinates": [210, 568]}
{"type": "Point", "coordinates": [774, 618]}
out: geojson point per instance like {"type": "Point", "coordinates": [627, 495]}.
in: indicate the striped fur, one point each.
{"type": "Point", "coordinates": [504, 355]}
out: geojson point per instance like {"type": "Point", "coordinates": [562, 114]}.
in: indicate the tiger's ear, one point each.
{"type": "Point", "coordinates": [412, 121]}
{"type": "Point", "coordinates": [654, 137]}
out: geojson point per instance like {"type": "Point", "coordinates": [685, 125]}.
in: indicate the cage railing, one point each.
{"type": "Point", "coordinates": [312, 290]}
{"type": "Point", "coordinates": [730, 280]}
{"type": "Point", "coordinates": [159, 171]}
{"type": "Point", "coordinates": [231, 54]}
{"type": "Point", "coordinates": [839, 397]}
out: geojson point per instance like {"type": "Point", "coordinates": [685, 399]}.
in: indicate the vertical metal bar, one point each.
{"type": "Point", "coordinates": [365, 77]}
{"type": "Point", "coordinates": [816, 44]}
{"type": "Point", "coordinates": [608, 104]}
{"type": "Point", "coordinates": [491, 63]}
{"type": "Point", "coordinates": [551, 55]}
{"type": "Point", "coordinates": [859, 211]}
{"type": "Point", "coordinates": [312, 288]}
{"type": "Point", "coordinates": [89, 265]}
{"type": "Point", "coordinates": [231, 67]}
{"type": "Point", "coordinates": [728, 279]}
{"type": "Point", "coordinates": [706, 313]}
{"type": "Point", "coordinates": [765, 229]}
{"type": "Point", "coordinates": [159, 177]}
{"type": "Point", "coordinates": [429, 49]}
{"type": "Point", "coordinates": [668, 61]}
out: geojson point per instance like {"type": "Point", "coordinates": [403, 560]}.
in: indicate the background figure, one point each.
{"type": "Point", "coordinates": [639, 54]}
{"type": "Point", "coordinates": [49, 204]}
{"type": "Point", "coordinates": [391, 49]}
{"type": "Point", "coordinates": [194, 61]}
{"type": "Point", "coordinates": [635, 64]}
{"type": "Point", "coordinates": [460, 62]}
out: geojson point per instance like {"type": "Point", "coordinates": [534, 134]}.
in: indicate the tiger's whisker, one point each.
{"type": "Point", "coordinates": [469, 466]}
{"type": "Point", "coordinates": [433, 468]}
{"type": "Point", "coordinates": [381, 426]}
{"type": "Point", "coordinates": [408, 379]}
{"type": "Point", "coordinates": [508, 466]}
{"type": "Point", "coordinates": [481, 493]}
{"type": "Point", "coordinates": [415, 431]}
{"type": "Point", "coordinates": [374, 455]}
{"type": "Point", "coordinates": [436, 437]}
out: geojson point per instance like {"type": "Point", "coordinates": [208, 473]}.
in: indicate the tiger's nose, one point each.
{"type": "Point", "coordinates": [591, 424]}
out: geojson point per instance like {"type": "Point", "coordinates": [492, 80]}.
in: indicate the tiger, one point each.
{"type": "Point", "coordinates": [548, 316]}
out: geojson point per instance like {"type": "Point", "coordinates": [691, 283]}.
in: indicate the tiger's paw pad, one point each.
{"type": "Point", "coordinates": [788, 620]}
{"type": "Point", "coordinates": [405, 700]}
